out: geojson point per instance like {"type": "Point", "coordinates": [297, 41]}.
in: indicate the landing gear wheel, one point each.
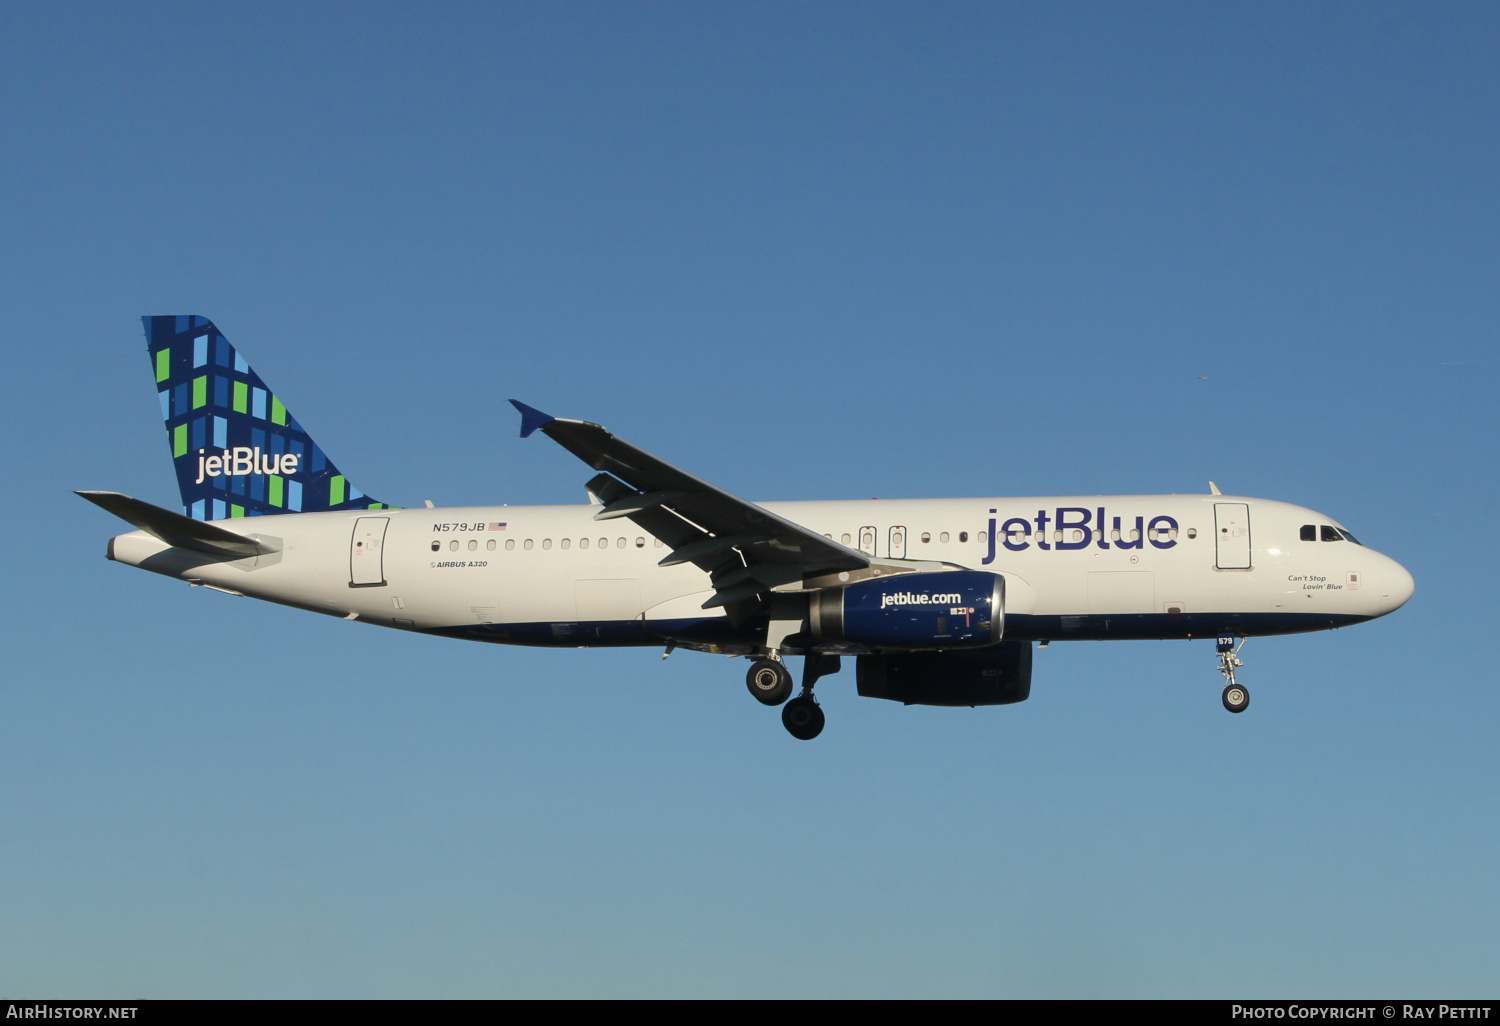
{"type": "Point", "coordinates": [802, 718]}
{"type": "Point", "coordinates": [769, 682]}
{"type": "Point", "coordinates": [1236, 698]}
{"type": "Point", "coordinates": [1236, 695]}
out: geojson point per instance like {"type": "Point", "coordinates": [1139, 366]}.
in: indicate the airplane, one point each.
{"type": "Point", "coordinates": [938, 601]}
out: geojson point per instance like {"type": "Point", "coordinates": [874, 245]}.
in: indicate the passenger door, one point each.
{"type": "Point", "coordinates": [366, 559]}
{"type": "Point", "coordinates": [1232, 535]}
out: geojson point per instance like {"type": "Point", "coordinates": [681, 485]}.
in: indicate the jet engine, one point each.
{"type": "Point", "coordinates": [942, 610]}
{"type": "Point", "coordinates": [998, 675]}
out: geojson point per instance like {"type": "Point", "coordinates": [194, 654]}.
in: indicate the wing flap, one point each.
{"type": "Point", "coordinates": [636, 503]}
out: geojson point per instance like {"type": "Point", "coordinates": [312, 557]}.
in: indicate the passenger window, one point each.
{"type": "Point", "coordinates": [510, 544]}
{"type": "Point", "coordinates": [604, 543]}
{"type": "Point", "coordinates": [845, 538]}
{"type": "Point", "coordinates": [963, 536]}
{"type": "Point", "coordinates": [659, 543]}
{"type": "Point", "coordinates": [546, 543]}
{"type": "Point", "coordinates": [490, 545]}
{"type": "Point", "coordinates": [1192, 532]}
{"type": "Point", "coordinates": [1331, 533]}
{"type": "Point", "coordinates": [436, 545]}
{"type": "Point", "coordinates": [640, 543]}
{"type": "Point", "coordinates": [583, 543]}
{"type": "Point", "coordinates": [943, 537]}
{"type": "Point", "coordinates": [473, 544]}
{"type": "Point", "coordinates": [527, 544]}
{"type": "Point", "coordinates": [453, 545]}
{"type": "Point", "coordinates": [926, 537]}
{"type": "Point", "coordinates": [1309, 532]}
{"type": "Point", "coordinates": [566, 542]}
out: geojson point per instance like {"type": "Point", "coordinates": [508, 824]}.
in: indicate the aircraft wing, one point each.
{"type": "Point", "coordinates": [745, 548]}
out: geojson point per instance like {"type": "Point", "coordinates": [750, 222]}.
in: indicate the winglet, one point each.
{"type": "Point", "coordinates": [531, 418]}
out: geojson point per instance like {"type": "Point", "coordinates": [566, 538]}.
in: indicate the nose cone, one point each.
{"type": "Point", "coordinates": [1396, 586]}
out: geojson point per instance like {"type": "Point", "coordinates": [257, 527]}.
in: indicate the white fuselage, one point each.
{"type": "Point", "coordinates": [552, 575]}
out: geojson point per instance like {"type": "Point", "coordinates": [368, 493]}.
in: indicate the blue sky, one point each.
{"type": "Point", "coordinates": [805, 251]}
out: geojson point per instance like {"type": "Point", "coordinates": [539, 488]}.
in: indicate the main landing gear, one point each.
{"type": "Point", "coordinates": [769, 681]}
{"type": "Point", "coordinates": [771, 684]}
{"type": "Point", "coordinates": [802, 717]}
{"type": "Point", "coordinates": [1236, 695]}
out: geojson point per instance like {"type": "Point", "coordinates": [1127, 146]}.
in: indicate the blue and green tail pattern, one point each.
{"type": "Point", "coordinates": [238, 452]}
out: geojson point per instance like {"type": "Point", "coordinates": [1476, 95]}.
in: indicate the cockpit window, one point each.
{"type": "Point", "coordinates": [1309, 532]}
{"type": "Point", "coordinates": [1331, 534]}
{"type": "Point", "coordinates": [1350, 537]}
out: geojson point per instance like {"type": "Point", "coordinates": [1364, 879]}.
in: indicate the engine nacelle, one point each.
{"type": "Point", "coordinates": [947, 609]}
{"type": "Point", "coordinates": [998, 675]}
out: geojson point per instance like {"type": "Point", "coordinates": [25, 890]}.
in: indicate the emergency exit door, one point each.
{"type": "Point", "coordinates": [366, 562]}
{"type": "Point", "coordinates": [1232, 535]}
{"type": "Point", "coordinates": [898, 543]}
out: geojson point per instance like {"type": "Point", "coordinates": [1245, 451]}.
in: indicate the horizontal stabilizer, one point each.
{"type": "Point", "coordinates": [176, 529]}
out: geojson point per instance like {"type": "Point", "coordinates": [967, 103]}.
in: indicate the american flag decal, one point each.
{"type": "Point", "coordinates": [497, 527]}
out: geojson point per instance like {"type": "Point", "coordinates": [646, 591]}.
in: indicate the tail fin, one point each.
{"type": "Point", "coordinates": [237, 450]}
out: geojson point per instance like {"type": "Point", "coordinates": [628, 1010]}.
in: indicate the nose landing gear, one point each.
{"type": "Point", "coordinates": [1236, 696]}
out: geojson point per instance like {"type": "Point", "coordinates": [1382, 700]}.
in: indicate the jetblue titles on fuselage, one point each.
{"type": "Point", "coordinates": [1075, 527]}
